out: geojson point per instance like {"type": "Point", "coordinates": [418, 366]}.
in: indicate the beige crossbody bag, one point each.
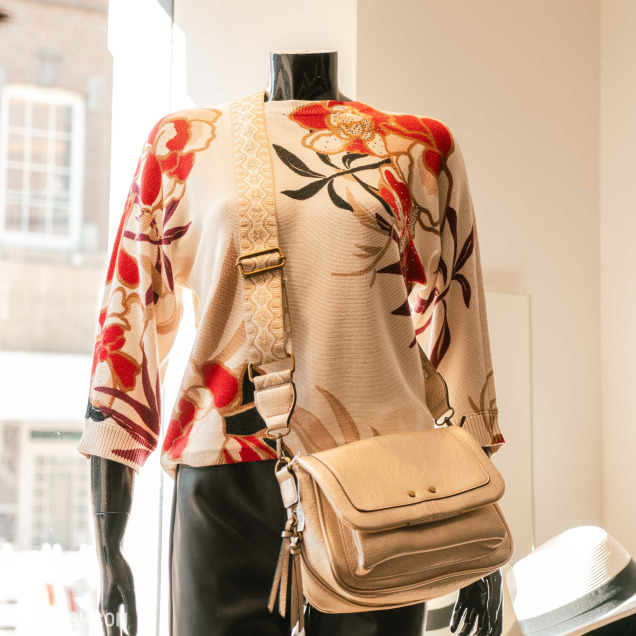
{"type": "Point", "coordinates": [374, 524]}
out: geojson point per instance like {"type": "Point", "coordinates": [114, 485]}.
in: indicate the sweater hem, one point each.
{"type": "Point", "coordinates": [100, 438]}
{"type": "Point", "coordinates": [484, 427]}
{"type": "Point", "coordinates": [202, 460]}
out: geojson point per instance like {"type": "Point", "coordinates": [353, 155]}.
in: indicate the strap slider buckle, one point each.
{"type": "Point", "coordinates": [242, 257]}
{"type": "Point", "coordinates": [446, 418]}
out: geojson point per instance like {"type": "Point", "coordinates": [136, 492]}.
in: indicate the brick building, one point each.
{"type": "Point", "coordinates": [55, 120]}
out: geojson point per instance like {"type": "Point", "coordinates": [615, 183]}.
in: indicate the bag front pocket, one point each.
{"type": "Point", "coordinates": [404, 556]}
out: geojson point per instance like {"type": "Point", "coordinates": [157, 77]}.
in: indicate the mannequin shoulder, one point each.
{"type": "Point", "coordinates": [432, 132]}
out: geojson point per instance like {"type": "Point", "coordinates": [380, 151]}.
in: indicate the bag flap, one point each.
{"type": "Point", "coordinates": [404, 478]}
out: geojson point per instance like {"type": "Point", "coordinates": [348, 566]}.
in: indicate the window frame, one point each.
{"type": "Point", "coordinates": [51, 96]}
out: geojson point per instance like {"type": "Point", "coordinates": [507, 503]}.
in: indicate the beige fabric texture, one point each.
{"type": "Point", "coordinates": [377, 225]}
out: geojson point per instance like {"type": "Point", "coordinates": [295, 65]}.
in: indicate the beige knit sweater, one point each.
{"type": "Point", "coordinates": [376, 221]}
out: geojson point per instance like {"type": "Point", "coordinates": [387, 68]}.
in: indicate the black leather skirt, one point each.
{"type": "Point", "coordinates": [224, 545]}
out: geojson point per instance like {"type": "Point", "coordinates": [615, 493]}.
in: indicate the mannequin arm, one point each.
{"type": "Point", "coordinates": [480, 603]}
{"type": "Point", "coordinates": [112, 485]}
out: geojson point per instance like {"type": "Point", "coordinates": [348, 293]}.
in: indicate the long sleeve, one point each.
{"type": "Point", "coordinates": [449, 308]}
{"type": "Point", "coordinates": [138, 320]}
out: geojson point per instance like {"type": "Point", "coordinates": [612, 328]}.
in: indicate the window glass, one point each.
{"type": "Point", "coordinates": [55, 136]}
{"type": "Point", "coordinates": [79, 91]}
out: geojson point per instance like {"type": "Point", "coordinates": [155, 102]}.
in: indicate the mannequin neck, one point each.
{"type": "Point", "coordinates": [311, 75]}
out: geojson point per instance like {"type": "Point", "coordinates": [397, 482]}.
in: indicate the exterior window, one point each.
{"type": "Point", "coordinates": [41, 166]}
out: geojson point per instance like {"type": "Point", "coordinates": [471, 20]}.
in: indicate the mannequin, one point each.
{"type": "Point", "coordinates": [305, 75]}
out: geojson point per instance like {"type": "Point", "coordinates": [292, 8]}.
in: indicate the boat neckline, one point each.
{"type": "Point", "coordinates": [287, 106]}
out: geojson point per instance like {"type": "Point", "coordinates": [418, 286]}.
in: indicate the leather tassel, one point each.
{"type": "Point", "coordinates": [281, 577]}
{"type": "Point", "coordinates": [297, 599]}
{"type": "Point", "coordinates": [284, 582]}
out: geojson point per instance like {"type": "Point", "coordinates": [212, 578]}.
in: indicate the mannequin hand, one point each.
{"type": "Point", "coordinates": [481, 605]}
{"type": "Point", "coordinates": [111, 489]}
{"type": "Point", "coordinates": [117, 589]}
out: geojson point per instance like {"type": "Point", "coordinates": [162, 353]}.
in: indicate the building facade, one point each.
{"type": "Point", "coordinates": [55, 120]}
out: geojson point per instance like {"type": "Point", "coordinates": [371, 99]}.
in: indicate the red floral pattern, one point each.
{"type": "Point", "coordinates": [107, 348]}
{"type": "Point", "coordinates": [383, 170]}
{"type": "Point", "coordinates": [354, 128]}
{"type": "Point", "coordinates": [139, 288]}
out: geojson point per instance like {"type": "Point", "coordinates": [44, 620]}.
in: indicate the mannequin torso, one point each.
{"type": "Point", "coordinates": [304, 75]}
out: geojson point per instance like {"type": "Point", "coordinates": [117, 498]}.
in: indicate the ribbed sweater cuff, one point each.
{"type": "Point", "coordinates": [484, 427]}
{"type": "Point", "coordinates": [100, 438]}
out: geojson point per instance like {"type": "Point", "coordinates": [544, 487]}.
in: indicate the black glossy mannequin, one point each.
{"type": "Point", "coordinates": [293, 75]}
{"type": "Point", "coordinates": [304, 75]}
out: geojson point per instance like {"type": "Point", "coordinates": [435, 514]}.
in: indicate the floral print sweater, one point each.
{"type": "Point", "coordinates": [377, 224]}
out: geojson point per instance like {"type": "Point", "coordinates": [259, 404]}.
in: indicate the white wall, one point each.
{"type": "Point", "coordinates": [517, 83]}
{"type": "Point", "coordinates": [618, 253]}
{"type": "Point", "coordinates": [222, 48]}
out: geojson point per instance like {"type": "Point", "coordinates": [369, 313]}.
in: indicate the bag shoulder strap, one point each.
{"type": "Point", "coordinates": [267, 320]}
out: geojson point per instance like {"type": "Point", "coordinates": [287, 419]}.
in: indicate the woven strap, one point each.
{"type": "Point", "coordinates": [267, 321]}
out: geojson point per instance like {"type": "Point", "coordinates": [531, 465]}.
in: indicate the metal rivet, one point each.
{"type": "Point", "coordinates": [411, 493]}
{"type": "Point", "coordinates": [431, 488]}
